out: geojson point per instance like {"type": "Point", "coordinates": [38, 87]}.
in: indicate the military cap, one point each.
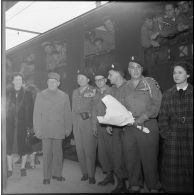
{"type": "Point", "coordinates": [101, 71]}
{"type": "Point", "coordinates": [116, 67]}
{"type": "Point", "coordinates": [54, 75]}
{"type": "Point", "coordinates": [135, 59]}
{"type": "Point", "coordinates": [45, 43]}
{"type": "Point", "coordinates": [85, 72]}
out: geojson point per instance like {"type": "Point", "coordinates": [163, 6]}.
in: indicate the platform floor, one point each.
{"type": "Point", "coordinates": [32, 183]}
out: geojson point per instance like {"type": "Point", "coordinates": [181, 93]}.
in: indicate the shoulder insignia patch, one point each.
{"type": "Point", "coordinates": [155, 82]}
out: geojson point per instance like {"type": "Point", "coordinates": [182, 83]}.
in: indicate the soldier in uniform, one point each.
{"type": "Point", "coordinates": [143, 98]}
{"type": "Point", "coordinates": [167, 24]}
{"type": "Point", "coordinates": [185, 18]}
{"type": "Point", "coordinates": [86, 142]}
{"type": "Point", "coordinates": [104, 139]}
{"type": "Point", "coordinates": [116, 77]}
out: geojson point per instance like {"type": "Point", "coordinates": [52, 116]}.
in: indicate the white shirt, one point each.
{"type": "Point", "coordinates": [184, 88]}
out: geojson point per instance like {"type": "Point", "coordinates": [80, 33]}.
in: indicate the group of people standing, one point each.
{"type": "Point", "coordinates": [125, 153]}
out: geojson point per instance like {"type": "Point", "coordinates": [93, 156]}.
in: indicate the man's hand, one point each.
{"type": "Point", "coordinates": [141, 119]}
{"type": "Point", "coordinates": [38, 135]}
{"type": "Point", "coordinates": [109, 130]}
{"type": "Point", "coordinates": [155, 43]}
{"type": "Point", "coordinates": [95, 133]}
{"type": "Point", "coordinates": [154, 35]}
{"type": "Point", "coordinates": [67, 133]}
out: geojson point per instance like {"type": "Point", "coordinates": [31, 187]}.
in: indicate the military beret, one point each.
{"type": "Point", "coordinates": [101, 71]}
{"type": "Point", "coordinates": [116, 67]}
{"type": "Point", "coordinates": [135, 59]}
{"type": "Point", "coordinates": [85, 72]}
{"type": "Point", "coordinates": [54, 75]}
{"type": "Point", "coordinates": [45, 43]}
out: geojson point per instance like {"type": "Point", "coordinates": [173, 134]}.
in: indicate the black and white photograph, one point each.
{"type": "Point", "coordinates": [97, 97]}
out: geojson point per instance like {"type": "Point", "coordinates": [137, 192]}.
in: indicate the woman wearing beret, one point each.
{"type": "Point", "coordinates": [176, 129]}
{"type": "Point", "coordinates": [86, 143]}
{"type": "Point", "coordinates": [19, 117]}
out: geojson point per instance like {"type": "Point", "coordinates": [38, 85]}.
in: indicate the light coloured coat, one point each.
{"type": "Point", "coordinates": [52, 114]}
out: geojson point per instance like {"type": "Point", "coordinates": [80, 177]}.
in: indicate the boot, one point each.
{"type": "Point", "coordinates": [121, 187]}
{"type": "Point", "coordinates": [108, 179]}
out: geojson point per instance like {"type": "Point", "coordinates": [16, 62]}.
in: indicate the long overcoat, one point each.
{"type": "Point", "coordinates": [176, 127]}
{"type": "Point", "coordinates": [19, 117]}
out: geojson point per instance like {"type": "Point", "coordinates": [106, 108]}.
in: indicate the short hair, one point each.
{"type": "Point", "coordinates": [185, 65]}
{"type": "Point", "coordinates": [15, 74]}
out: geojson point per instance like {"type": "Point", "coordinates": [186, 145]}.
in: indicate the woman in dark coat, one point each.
{"type": "Point", "coordinates": [176, 129]}
{"type": "Point", "coordinates": [19, 117]}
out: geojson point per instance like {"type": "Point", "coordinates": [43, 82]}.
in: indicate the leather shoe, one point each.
{"type": "Point", "coordinates": [60, 178]}
{"type": "Point", "coordinates": [23, 172]}
{"type": "Point", "coordinates": [84, 177]}
{"type": "Point", "coordinates": [108, 179]}
{"type": "Point", "coordinates": [120, 188]}
{"type": "Point", "coordinates": [92, 180]}
{"type": "Point", "coordinates": [46, 181]}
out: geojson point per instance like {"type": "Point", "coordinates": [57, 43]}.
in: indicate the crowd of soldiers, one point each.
{"type": "Point", "coordinates": [156, 30]}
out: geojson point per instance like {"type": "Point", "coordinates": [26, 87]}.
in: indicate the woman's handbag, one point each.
{"type": "Point", "coordinates": [31, 139]}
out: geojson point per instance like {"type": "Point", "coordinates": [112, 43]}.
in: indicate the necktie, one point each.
{"type": "Point", "coordinates": [181, 91]}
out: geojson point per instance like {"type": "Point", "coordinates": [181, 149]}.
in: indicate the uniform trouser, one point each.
{"type": "Point", "coordinates": [142, 149]}
{"type": "Point", "coordinates": [105, 148]}
{"type": "Point", "coordinates": [118, 155]}
{"type": "Point", "coordinates": [86, 145]}
{"type": "Point", "coordinates": [52, 157]}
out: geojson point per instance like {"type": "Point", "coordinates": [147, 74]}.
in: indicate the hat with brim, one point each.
{"type": "Point", "coordinates": [54, 75]}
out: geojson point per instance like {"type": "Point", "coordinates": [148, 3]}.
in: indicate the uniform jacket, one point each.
{"type": "Point", "coordinates": [52, 114]}
{"type": "Point", "coordinates": [168, 27]}
{"type": "Point", "coordinates": [18, 109]}
{"type": "Point", "coordinates": [144, 99]}
{"type": "Point", "coordinates": [82, 102]}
